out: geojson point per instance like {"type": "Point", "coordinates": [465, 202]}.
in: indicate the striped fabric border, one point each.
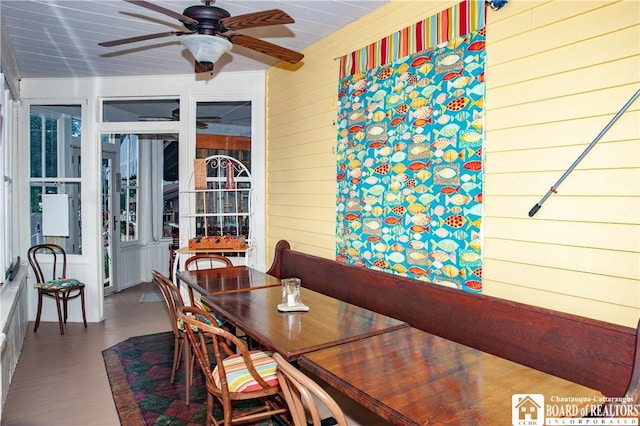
{"type": "Point", "coordinates": [460, 19]}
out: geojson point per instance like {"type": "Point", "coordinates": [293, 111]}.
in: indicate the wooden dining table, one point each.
{"type": "Point", "coordinates": [210, 282]}
{"type": "Point", "coordinates": [413, 378]}
{"type": "Point", "coordinates": [328, 322]}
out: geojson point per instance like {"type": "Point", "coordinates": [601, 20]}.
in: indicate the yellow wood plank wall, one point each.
{"type": "Point", "coordinates": [557, 73]}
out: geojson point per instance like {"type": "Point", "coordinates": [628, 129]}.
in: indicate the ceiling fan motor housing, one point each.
{"type": "Point", "coordinates": [208, 18]}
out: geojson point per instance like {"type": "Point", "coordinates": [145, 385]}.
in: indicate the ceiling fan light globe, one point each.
{"type": "Point", "coordinates": [206, 48]}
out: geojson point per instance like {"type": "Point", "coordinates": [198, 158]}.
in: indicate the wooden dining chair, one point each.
{"type": "Point", "coordinates": [49, 264]}
{"type": "Point", "coordinates": [202, 262]}
{"type": "Point", "coordinates": [207, 261]}
{"type": "Point", "coordinates": [301, 391]}
{"type": "Point", "coordinates": [181, 347]}
{"type": "Point", "coordinates": [232, 375]}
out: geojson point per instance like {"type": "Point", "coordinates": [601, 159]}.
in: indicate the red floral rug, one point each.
{"type": "Point", "coordinates": [139, 371]}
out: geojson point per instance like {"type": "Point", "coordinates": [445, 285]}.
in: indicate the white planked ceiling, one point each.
{"type": "Point", "coordinates": [59, 38]}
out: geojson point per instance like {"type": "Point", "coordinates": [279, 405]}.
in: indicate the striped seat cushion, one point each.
{"type": "Point", "coordinates": [238, 376]}
{"type": "Point", "coordinates": [56, 284]}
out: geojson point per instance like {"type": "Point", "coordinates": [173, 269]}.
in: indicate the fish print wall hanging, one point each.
{"type": "Point", "coordinates": [410, 165]}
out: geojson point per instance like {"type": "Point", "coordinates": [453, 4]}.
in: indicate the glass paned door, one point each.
{"type": "Point", "coordinates": [108, 223]}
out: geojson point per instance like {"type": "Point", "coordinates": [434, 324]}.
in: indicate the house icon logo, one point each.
{"type": "Point", "coordinates": [527, 409]}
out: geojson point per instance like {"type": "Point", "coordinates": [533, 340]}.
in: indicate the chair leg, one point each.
{"type": "Point", "coordinates": [227, 410]}
{"type": "Point", "coordinates": [57, 294]}
{"type": "Point", "coordinates": [84, 313]}
{"type": "Point", "coordinates": [177, 351]}
{"type": "Point", "coordinates": [186, 359]}
{"type": "Point", "coordinates": [35, 327]}
{"type": "Point", "coordinates": [65, 305]}
{"type": "Point", "coordinates": [210, 409]}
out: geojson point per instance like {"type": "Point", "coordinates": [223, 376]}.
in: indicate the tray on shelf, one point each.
{"type": "Point", "coordinates": [218, 242]}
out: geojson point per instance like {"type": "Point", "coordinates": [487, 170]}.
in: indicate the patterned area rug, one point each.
{"type": "Point", "coordinates": [139, 371]}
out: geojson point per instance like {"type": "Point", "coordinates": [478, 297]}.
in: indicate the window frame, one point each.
{"type": "Point", "coordinates": [8, 133]}
{"type": "Point", "coordinates": [53, 181]}
{"type": "Point", "coordinates": [125, 189]}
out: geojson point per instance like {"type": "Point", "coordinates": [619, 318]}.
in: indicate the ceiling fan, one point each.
{"type": "Point", "coordinates": [208, 30]}
{"type": "Point", "coordinates": [201, 122]}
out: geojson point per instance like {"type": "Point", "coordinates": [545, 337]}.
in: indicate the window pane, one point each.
{"type": "Point", "coordinates": [224, 128]}
{"type": "Point", "coordinates": [129, 187]}
{"type": "Point", "coordinates": [141, 110]}
{"type": "Point", "coordinates": [55, 141]}
{"type": "Point", "coordinates": [72, 243]}
{"type": "Point", "coordinates": [171, 211]}
{"type": "Point", "coordinates": [128, 214]}
{"type": "Point", "coordinates": [51, 147]}
{"type": "Point", "coordinates": [36, 145]}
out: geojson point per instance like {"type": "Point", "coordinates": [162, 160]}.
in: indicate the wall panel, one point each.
{"type": "Point", "coordinates": [623, 237]}
{"type": "Point", "coordinates": [579, 131]}
{"type": "Point", "coordinates": [558, 71]}
{"type": "Point", "coordinates": [562, 257]}
{"type": "Point", "coordinates": [619, 210]}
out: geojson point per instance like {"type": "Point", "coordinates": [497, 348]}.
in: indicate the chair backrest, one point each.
{"type": "Point", "coordinates": [172, 297]}
{"type": "Point", "coordinates": [200, 324]}
{"type": "Point", "coordinates": [207, 261]}
{"type": "Point", "coordinates": [301, 391]}
{"type": "Point", "coordinates": [40, 255]}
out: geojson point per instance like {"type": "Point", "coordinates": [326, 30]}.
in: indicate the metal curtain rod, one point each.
{"type": "Point", "coordinates": [554, 188]}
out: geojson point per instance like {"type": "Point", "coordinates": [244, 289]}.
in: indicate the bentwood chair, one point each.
{"type": "Point", "coordinates": [202, 262]}
{"type": "Point", "coordinates": [181, 348]}
{"type": "Point", "coordinates": [232, 376]}
{"type": "Point", "coordinates": [55, 285]}
{"type": "Point", "coordinates": [205, 261]}
{"type": "Point", "coordinates": [301, 391]}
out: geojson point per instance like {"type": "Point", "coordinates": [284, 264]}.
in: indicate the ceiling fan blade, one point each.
{"type": "Point", "coordinates": [179, 16]}
{"type": "Point", "coordinates": [257, 19]}
{"type": "Point", "coordinates": [139, 38]}
{"type": "Point", "coordinates": [267, 48]}
{"type": "Point", "coordinates": [203, 67]}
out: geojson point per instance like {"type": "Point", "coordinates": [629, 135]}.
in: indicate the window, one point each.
{"type": "Point", "coordinates": [224, 129]}
{"type": "Point", "coordinates": [6, 190]}
{"type": "Point", "coordinates": [128, 110]}
{"type": "Point", "coordinates": [129, 187]}
{"type": "Point", "coordinates": [171, 211]}
{"type": "Point", "coordinates": [55, 163]}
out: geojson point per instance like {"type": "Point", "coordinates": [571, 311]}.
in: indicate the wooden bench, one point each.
{"type": "Point", "coordinates": [593, 353]}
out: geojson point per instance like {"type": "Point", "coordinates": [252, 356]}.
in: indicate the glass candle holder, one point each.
{"type": "Point", "coordinates": [291, 291]}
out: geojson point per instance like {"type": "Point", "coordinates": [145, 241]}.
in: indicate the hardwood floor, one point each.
{"type": "Point", "coordinates": [61, 380]}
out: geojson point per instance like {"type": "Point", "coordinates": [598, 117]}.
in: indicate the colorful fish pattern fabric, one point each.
{"type": "Point", "coordinates": [410, 165]}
